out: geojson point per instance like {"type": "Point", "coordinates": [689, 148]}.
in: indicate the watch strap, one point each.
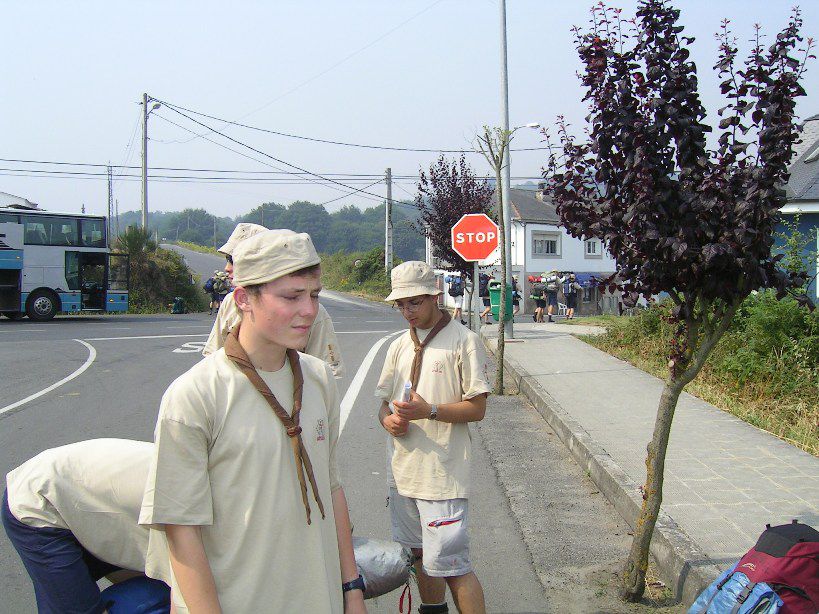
{"type": "Point", "coordinates": [352, 585]}
{"type": "Point", "coordinates": [433, 412]}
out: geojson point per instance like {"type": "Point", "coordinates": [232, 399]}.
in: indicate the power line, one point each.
{"type": "Point", "coordinates": [258, 151]}
{"type": "Point", "coordinates": [227, 122]}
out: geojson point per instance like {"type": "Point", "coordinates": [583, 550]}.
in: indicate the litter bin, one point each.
{"type": "Point", "coordinates": [495, 299]}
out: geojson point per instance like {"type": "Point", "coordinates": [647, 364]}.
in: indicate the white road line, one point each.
{"type": "Point", "coordinates": [355, 386]}
{"type": "Point", "coordinates": [24, 330]}
{"type": "Point", "coordinates": [144, 337]}
{"type": "Point", "coordinates": [359, 332]}
{"type": "Point", "coordinates": [92, 355]}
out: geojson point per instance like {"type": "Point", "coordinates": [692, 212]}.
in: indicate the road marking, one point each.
{"type": "Point", "coordinates": [24, 330]}
{"type": "Point", "coordinates": [355, 385]}
{"type": "Point", "coordinates": [191, 347]}
{"type": "Point", "coordinates": [92, 355]}
{"type": "Point", "coordinates": [145, 337]}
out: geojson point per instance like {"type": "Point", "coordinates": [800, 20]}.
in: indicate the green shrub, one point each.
{"type": "Point", "coordinates": [339, 272]}
{"type": "Point", "coordinates": [157, 275]}
{"type": "Point", "coordinates": [764, 370]}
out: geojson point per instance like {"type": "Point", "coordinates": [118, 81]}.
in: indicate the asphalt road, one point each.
{"type": "Point", "coordinates": [113, 370]}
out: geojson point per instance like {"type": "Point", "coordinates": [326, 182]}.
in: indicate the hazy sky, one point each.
{"type": "Point", "coordinates": [409, 73]}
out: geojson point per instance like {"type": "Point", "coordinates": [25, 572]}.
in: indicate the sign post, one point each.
{"type": "Point", "coordinates": [474, 238]}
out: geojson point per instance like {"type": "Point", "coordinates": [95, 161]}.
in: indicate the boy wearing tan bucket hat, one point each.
{"type": "Point", "coordinates": [429, 444]}
{"type": "Point", "coordinates": [243, 481]}
{"type": "Point", "coordinates": [321, 342]}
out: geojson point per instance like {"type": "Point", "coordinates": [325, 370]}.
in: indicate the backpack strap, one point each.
{"type": "Point", "coordinates": [742, 596]}
{"type": "Point", "coordinates": [727, 577]}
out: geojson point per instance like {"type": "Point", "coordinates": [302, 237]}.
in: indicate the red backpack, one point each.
{"type": "Point", "coordinates": [786, 557]}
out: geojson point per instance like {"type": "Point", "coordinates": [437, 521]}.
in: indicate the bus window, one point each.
{"type": "Point", "coordinates": [93, 232]}
{"type": "Point", "coordinates": [9, 217]}
{"type": "Point", "coordinates": [42, 230]}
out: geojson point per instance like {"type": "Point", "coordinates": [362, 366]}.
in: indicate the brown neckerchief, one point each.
{"type": "Point", "coordinates": [236, 353]}
{"type": "Point", "coordinates": [415, 373]}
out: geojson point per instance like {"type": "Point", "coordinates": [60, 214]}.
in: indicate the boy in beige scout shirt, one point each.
{"type": "Point", "coordinates": [430, 445]}
{"type": "Point", "coordinates": [321, 342]}
{"type": "Point", "coordinates": [243, 481]}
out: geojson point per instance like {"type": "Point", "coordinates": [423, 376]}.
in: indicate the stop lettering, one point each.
{"type": "Point", "coordinates": [474, 237]}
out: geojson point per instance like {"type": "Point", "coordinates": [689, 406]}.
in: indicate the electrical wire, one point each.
{"type": "Point", "coordinates": [279, 160]}
{"type": "Point", "coordinates": [227, 122]}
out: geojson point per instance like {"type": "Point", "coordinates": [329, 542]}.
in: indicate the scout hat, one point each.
{"type": "Point", "coordinates": [412, 278]}
{"type": "Point", "coordinates": [240, 233]}
{"type": "Point", "coordinates": [272, 254]}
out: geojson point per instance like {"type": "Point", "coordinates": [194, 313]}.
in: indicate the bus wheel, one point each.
{"type": "Point", "coordinates": [41, 305]}
{"type": "Point", "coordinates": [14, 315]}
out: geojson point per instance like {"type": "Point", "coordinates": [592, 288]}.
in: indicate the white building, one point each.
{"type": "Point", "coordinates": [540, 244]}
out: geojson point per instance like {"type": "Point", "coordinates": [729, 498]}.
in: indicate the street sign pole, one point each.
{"type": "Point", "coordinates": [474, 317]}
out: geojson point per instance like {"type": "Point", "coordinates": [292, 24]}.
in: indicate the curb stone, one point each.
{"type": "Point", "coordinates": [682, 565]}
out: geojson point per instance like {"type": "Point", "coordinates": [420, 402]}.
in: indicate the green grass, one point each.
{"type": "Point", "coordinates": [765, 370]}
{"type": "Point", "coordinates": [204, 249]}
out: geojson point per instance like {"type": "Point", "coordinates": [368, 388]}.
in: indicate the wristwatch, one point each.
{"type": "Point", "coordinates": [357, 584]}
{"type": "Point", "coordinates": [433, 412]}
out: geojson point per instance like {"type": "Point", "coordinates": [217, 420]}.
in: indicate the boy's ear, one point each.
{"type": "Point", "coordinates": [242, 299]}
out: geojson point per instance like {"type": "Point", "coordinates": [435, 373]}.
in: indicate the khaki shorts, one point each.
{"type": "Point", "coordinates": [437, 527]}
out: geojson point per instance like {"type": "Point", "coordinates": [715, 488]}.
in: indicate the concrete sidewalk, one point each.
{"type": "Point", "coordinates": [724, 479]}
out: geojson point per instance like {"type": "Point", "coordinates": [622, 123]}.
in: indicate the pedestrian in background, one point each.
{"type": "Point", "coordinates": [515, 296]}
{"type": "Point", "coordinates": [483, 292]}
{"type": "Point", "coordinates": [537, 294]}
{"type": "Point", "coordinates": [552, 280]}
{"type": "Point", "coordinates": [456, 291]}
{"type": "Point", "coordinates": [570, 291]}
{"type": "Point", "coordinates": [429, 447]}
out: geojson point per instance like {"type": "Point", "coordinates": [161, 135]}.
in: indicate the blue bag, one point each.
{"type": "Point", "coordinates": [140, 595]}
{"type": "Point", "coordinates": [734, 593]}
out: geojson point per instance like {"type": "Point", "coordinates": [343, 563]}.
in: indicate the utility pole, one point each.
{"type": "Point", "coordinates": [506, 274]}
{"type": "Point", "coordinates": [388, 225]}
{"type": "Point", "coordinates": [116, 209]}
{"type": "Point", "coordinates": [145, 162]}
{"type": "Point", "coordinates": [214, 232]}
{"type": "Point", "coordinates": [110, 203]}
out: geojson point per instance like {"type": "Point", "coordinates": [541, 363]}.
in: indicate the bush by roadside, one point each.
{"type": "Point", "coordinates": [367, 279]}
{"type": "Point", "coordinates": [157, 275]}
{"type": "Point", "coordinates": [765, 370]}
{"type": "Point", "coordinates": [195, 247]}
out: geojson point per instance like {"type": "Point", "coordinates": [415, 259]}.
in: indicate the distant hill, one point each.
{"type": "Point", "coordinates": [346, 230]}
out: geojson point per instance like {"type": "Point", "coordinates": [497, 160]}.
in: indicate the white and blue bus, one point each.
{"type": "Point", "coordinates": [52, 262]}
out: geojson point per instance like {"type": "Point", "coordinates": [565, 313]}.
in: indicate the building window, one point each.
{"type": "Point", "coordinates": [593, 248]}
{"type": "Point", "coordinates": [545, 244]}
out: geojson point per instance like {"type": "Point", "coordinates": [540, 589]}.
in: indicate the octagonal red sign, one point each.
{"type": "Point", "coordinates": [474, 236]}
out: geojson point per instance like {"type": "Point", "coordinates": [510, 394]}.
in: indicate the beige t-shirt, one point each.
{"type": "Point", "coordinates": [223, 461]}
{"type": "Point", "coordinates": [432, 460]}
{"type": "Point", "coordinates": [321, 342]}
{"type": "Point", "coordinates": [92, 488]}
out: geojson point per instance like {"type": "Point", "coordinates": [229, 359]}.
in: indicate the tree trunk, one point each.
{"type": "Point", "coordinates": [634, 574]}
{"type": "Point", "coordinates": [502, 307]}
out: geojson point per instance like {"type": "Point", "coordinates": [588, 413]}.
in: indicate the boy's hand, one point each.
{"type": "Point", "coordinates": [414, 409]}
{"type": "Point", "coordinates": [395, 425]}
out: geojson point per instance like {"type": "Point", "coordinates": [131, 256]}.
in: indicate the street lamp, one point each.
{"type": "Point", "coordinates": [145, 113]}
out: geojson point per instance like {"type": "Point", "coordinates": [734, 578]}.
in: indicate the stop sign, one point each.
{"type": "Point", "coordinates": [474, 236]}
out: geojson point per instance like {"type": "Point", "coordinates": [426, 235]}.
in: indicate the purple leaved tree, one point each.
{"type": "Point", "coordinates": [446, 192]}
{"type": "Point", "coordinates": [693, 222]}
